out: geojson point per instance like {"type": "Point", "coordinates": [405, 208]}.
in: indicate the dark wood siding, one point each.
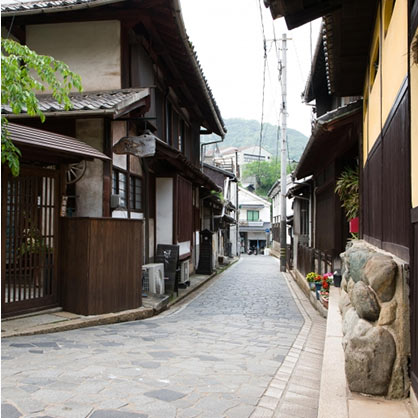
{"type": "Point", "coordinates": [387, 186]}
{"type": "Point", "coordinates": [184, 209]}
{"type": "Point", "coordinates": [414, 304]}
{"type": "Point", "coordinates": [101, 264]}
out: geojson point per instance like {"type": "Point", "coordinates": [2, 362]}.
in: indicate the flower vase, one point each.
{"type": "Point", "coordinates": [311, 285]}
{"type": "Point", "coordinates": [318, 286]}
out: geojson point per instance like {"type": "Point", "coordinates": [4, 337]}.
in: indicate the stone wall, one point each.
{"type": "Point", "coordinates": [375, 307]}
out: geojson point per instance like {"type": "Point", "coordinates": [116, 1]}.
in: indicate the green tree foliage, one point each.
{"type": "Point", "coordinates": [23, 74]}
{"type": "Point", "coordinates": [245, 133]}
{"type": "Point", "coordinates": [266, 174]}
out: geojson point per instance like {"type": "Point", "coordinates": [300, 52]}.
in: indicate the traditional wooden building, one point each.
{"type": "Point", "coordinates": [378, 61]}
{"type": "Point", "coordinates": [144, 105]}
{"type": "Point", "coordinates": [220, 212]}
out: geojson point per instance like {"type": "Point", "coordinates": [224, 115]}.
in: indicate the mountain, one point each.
{"type": "Point", "coordinates": [242, 132]}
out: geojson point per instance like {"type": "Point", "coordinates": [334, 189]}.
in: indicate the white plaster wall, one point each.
{"type": "Point", "coordinates": [265, 214]}
{"type": "Point", "coordinates": [123, 214]}
{"type": "Point", "coordinates": [184, 247]}
{"type": "Point", "coordinates": [151, 238]}
{"type": "Point", "coordinates": [164, 210]}
{"type": "Point", "coordinates": [196, 249]}
{"type": "Point", "coordinates": [91, 49]}
{"type": "Point", "coordinates": [89, 189]}
{"type": "Point", "coordinates": [215, 250]}
{"type": "Point", "coordinates": [233, 238]}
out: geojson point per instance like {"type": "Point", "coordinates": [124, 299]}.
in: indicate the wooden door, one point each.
{"type": "Point", "coordinates": [29, 240]}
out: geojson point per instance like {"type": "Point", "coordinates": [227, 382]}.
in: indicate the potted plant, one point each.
{"type": "Point", "coordinates": [348, 191]}
{"type": "Point", "coordinates": [310, 277]}
{"type": "Point", "coordinates": [318, 284]}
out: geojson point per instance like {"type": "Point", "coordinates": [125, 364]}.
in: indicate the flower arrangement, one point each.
{"type": "Point", "coordinates": [310, 277]}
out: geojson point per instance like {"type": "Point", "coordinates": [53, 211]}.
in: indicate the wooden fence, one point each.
{"type": "Point", "coordinates": [101, 263]}
{"type": "Point", "coordinates": [312, 259]}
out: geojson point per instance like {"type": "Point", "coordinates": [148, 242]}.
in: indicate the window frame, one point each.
{"type": "Point", "coordinates": [253, 212]}
{"type": "Point", "coordinates": [129, 177]}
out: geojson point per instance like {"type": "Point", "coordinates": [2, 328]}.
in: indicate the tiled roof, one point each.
{"type": "Point", "coordinates": [28, 7]}
{"type": "Point", "coordinates": [24, 136]}
{"type": "Point", "coordinates": [113, 102]}
{"type": "Point", "coordinates": [183, 52]}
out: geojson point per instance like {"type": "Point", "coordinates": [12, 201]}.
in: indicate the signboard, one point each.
{"type": "Point", "coordinates": [141, 146]}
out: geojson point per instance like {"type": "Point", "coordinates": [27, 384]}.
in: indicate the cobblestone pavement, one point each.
{"type": "Point", "coordinates": [214, 356]}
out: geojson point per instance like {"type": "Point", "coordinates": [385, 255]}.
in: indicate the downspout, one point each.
{"type": "Point", "coordinates": [310, 217]}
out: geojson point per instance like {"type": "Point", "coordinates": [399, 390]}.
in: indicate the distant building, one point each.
{"type": "Point", "coordinates": [254, 220]}
{"type": "Point", "coordinates": [233, 158]}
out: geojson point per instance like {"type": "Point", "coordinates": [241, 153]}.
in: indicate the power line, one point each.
{"type": "Point", "coordinates": [264, 86]}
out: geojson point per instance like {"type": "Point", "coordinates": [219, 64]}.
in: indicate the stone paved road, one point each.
{"type": "Point", "coordinates": [212, 357]}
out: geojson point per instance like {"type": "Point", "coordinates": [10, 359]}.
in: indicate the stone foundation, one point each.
{"type": "Point", "coordinates": [375, 307]}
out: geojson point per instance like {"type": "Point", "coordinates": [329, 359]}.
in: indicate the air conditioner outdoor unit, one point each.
{"type": "Point", "coordinates": [154, 274]}
{"type": "Point", "coordinates": [184, 279]}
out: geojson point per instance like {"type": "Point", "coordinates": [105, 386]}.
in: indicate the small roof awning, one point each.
{"type": "Point", "coordinates": [330, 138]}
{"type": "Point", "coordinates": [44, 146]}
{"type": "Point", "coordinates": [111, 103]}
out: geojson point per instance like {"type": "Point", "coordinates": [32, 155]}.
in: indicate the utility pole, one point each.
{"type": "Point", "coordinates": [283, 160]}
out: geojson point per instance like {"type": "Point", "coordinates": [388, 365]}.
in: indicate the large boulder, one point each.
{"type": "Point", "coordinates": [355, 258]}
{"type": "Point", "coordinates": [388, 313]}
{"type": "Point", "coordinates": [365, 302]}
{"type": "Point", "coordinates": [350, 321]}
{"type": "Point", "coordinates": [344, 302]}
{"type": "Point", "coordinates": [369, 358]}
{"type": "Point", "coordinates": [380, 272]}
{"type": "Point", "coordinates": [353, 325]}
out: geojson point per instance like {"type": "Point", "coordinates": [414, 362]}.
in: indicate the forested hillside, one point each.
{"type": "Point", "coordinates": [243, 132]}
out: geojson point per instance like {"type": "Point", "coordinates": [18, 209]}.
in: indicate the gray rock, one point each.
{"type": "Point", "coordinates": [388, 313]}
{"type": "Point", "coordinates": [365, 302]}
{"type": "Point", "coordinates": [380, 272]}
{"type": "Point", "coordinates": [356, 258]}
{"type": "Point", "coordinates": [353, 325]}
{"type": "Point", "coordinates": [369, 361]}
{"type": "Point", "coordinates": [350, 320]}
{"type": "Point", "coordinates": [350, 286]}
{"type": "Point", "coordinates": [344, 281]}
{"type": "Point", "coordinates": [344, 303]}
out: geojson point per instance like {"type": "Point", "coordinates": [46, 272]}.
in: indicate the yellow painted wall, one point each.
{"type": "Point", "coordinates": [372, 114]}
{"type": "Point", "coordinates": [374, 111]}
{"type": "Point", "coordinates": [414, 132]}
{"type": "Point", "coordinates": [394, 56]}
{"type": "Point", "coordinates": [392, 70]}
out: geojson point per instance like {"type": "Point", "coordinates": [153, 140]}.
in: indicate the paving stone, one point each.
{"type": "Point", "coordinates": [165, 395]}
{"type": "Point", "coordinates": [111, 413]}
{"type": "Point", "coordinates": [9, 411]}
{"type": "Point", "coordinates": [214, 356]}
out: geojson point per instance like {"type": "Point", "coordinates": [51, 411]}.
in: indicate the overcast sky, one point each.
{"type": "Point", "coordinates": [228, 38]}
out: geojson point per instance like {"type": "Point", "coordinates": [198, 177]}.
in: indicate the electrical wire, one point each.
{"type": "Point", "coordinates": [263, 89]}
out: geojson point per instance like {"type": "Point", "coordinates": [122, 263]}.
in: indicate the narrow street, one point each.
{"type": "Point", "coordinates": [213, 356]}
